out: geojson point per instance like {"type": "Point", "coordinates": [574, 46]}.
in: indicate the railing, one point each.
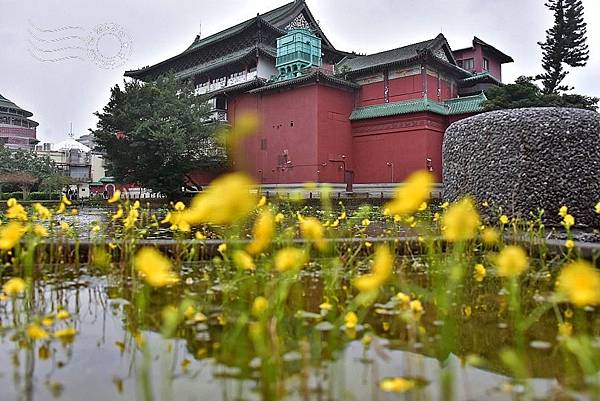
{"type": "Point", "coordinates": [230, 81]}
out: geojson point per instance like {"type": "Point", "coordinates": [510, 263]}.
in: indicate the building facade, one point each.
{"type": "Point", "coordinates": [328, 115]}
{"type": "Point", "coordinates": [17, 130]}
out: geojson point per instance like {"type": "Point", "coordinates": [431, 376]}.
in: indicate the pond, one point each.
{"type": "Point", "coordinates": [209, 356]}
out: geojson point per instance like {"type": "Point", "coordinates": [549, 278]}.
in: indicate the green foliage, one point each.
{"type": "Point", "coordinates": [164, 134]}
{"type": "Point", "coordinates": [27, 170]}
{"type": "Point", "coordinates": [564, 44]}
{"type": "Point", "coordinates": [525, 93]}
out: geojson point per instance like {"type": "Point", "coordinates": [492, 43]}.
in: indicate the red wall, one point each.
{"type": "Point", "coordinates": [478, 55]}
{"type": "Point", "coordinates": [405, 142]}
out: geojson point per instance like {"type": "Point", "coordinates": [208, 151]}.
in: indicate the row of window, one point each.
{"type": "Point", "coordinates": [469, 64]}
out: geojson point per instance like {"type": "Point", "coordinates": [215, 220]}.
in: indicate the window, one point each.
{"type": "Point", "coordinates": [469, 64]}
{"type": "Point", "coordinates": [263, 144]}
{"type": "Point", "coordinates": [460, 63]}
{"type": "Point", "coordinates": [486, 64]}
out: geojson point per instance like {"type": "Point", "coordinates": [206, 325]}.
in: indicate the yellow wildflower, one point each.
{"type": "Point", "coordinates": [569, 244]}
{"type": "Point", "coordinates": [61, 208]}
{"type": "Point", "coordinates": [289, 259]}
{"type": "Point", "coordinates": [259, 306]}
{"type": "Point", "coordinates": [35, 332]}
{"type": "Point", "coordinates": [131, 218]}
{"type": "Point", "coordinates": [313, 230]}
{"type": "Point", "coordinates": [227, 200]}
{"type": "Point", "coordinates": [118, 214]}
{"type": "Point", "coordinates": [416, 307]}
{"type": "Point", "coordinates": [40, 231]}
{"type": "Point", "coordinates": [512, 261]}
{"type": "Point", "coordinates": [366, 222]}
{"type": "Point", "coordinates": [568, 221]}
{"type": "Point", "coordinates": [490, 236]}
{"type": "Point", "coordinates": [136, 204]}
{"type": "Point", "coordinates": [279, 217]}
{"type": "Point", "coordinates": [565, 329]}
{"type": "Point", "coordinates": [580, 282]}
{"type": "Point", "coordinates": [179, 206]}
{"type": "Point", "coordinates": [65, 200]}
{"type": "Point", "coordinates": [64, 226]}
{"type": "Point", "coordinates": [563, 211]}
{"type": "Point", "coordinates": [222, 248]}
{"type": "Point", "coordinates": [343, 215]}
{"type": "Point", "coordinates": [397, 385]}
{"type": "Point", "coordinates": [326, 306]}
{"type": "Point", "coordinates": [262, 233]}
{"type": "Point", "coordinates": [10, 235]}
{"type": "Point", "coordinates": [423, 207]}
{"type": "Point", "coordinates": [42, 212]}
{"type": "Point", "coordinates": [243, 260]}
{"type": "Point", "coordinates": [14, 286]}
{"type": "Point", "coordinates": [479, 273]}
{"type": "Point", "coordinates": [16, 211]}
{"type": "Point", "coordinates": [403, 298]}
{"type": "Point", "coordinates": [351, 320]}
{"type": "Point", "coordinates": [62, 315]}
{"type": "Point", "coordinates": [461, 221]}
{"type": "Point", "coordinates": [383, 263]}
{"type": "Point", "coordinates": [154, 268]}
{"type": "Point", "coordinates": [262, 202]}
{"type": "Point", "coordinates": [74, 212]}
{"type": "Point", "coordinates": [411, 194]}
{"type": "Point", "coordinates": [66, 334]}
{"type": "Point", "coordinates": [199, 236]}
{"type": "Point", "coordinates": [597, 208]}
{"type": "Point", "coordinates": [504, 219]}
{"type": "Point", "coordinates": [115, 197]}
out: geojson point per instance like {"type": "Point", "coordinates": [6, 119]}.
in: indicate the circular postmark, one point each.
{"type": "Point", "coordinates": [109, 45]}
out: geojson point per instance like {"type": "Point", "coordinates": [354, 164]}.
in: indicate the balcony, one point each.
{"type": "Point", "coordinates": [221, 83]}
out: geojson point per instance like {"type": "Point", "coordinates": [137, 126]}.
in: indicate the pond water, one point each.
{"type": "Point", "coordinates": [210, 355]}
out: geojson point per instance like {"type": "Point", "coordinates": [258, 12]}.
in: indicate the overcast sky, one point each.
{"type": "Point", "coordinates": [72, 88]}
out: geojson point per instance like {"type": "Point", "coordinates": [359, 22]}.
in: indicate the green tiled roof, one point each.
{"type": "Point", "coordinates": [461, 105]}
{"type": "Point", "coordinates": [482, 77]}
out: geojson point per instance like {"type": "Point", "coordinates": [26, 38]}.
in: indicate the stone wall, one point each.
{"type": "Point", "coordinates": [526, 159]}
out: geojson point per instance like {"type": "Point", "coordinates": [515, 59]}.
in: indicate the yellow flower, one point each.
{"type": "Point", "coordinates": [222, 248]}
{"type": "Point", "coordinates": [10, 235]}
{"type": "Point", "coordinates": [262, 233]}
{"type": "Point", "coordinates": [504, 219]}
{"type": "Point", "coordinates": [461, 221]}
{"type": "Point", "coordinates": [326, 306]}
{"type": "Point", "coordinates": [118, 214]}
{"type": "Point", "coordinates": [342, 215]}
{"type": "Point", "coordinates": [259, 306]}
{"type": "Point", "coordinates": [383, 264]}
{"type": "Point", "coordinates": [64, 226]}
{"type": "Point", "coordinates": [42, 212]}
{"type": "Point", "coordinates": [74, 212]}
{"type": "Point", "coordinates": [65, 200]}
{"type": "Point", "coordinates": [179, 206]}
{"type": "Point", "coordinates": [154, 268]}
{"type": "Point", "coordinates": [262, 202]}
{"type": "Point", "coordinates": [313, 230]}
{"type": "Point", "coordinates": [490, 236]}
{"type": "Point", "coordinates": [243, 260]}
{"type": "Point", "coordinates": [136, 204]}
{"type": "Point", "coordinates": [416, 307]}
{"type": "Point", "coordinates": [366, 222]}
{"type": "Point", "coordinates": [14, 286]}
{"type": "Point", "coordinates": [402, 298]}
{"type": "Point", "coordinates": [16, 211]}
{"type": "Point", "coordinates": [62, 315]}
{"type": "Point", "coordinates": [580, 282]}
{"type": "Point", "coordinates": [40, 231]}
{"type": "Point", "coordinates": [279, 217]}
{"type": "Point", "coordinates": [289, 259]}
{"type": "Point", "coordinates": [563, 211]}
{"type": "Point", "coordinates": [35, 332]}
{"type": "Point", "coordinates": [351, 320]}
{"type": "Point", "coordinates": [565, 329]}
{"type": "Point", "coordinates": [479, 273]}
{"type": "Point", "coordinates": [569, 244]}
{"type": "Point", "coordinates": [199, 236]}
{"type": "Point", "coordinates": [423, 207]}
{"type": "Point", "coordinates": [597, 208]}
{"type": "Point", "coordinates": [411, 194]}
{"type": "Point", "coordinates": [131, 218]}
{"type": "Point", "coordinates": [227, 200]}
{"type": "Point", "coordinates": [66, 334]}
{"type": "Point", "coordinates": [397, 385]}
{"type": "Point", "coordinates": [568, 221]}
{"type": "Point", "coordinates": [61, 208]}
{"type": "Point", "coordinates": [512, 261]}
{"type": "Point", "coordinates": [115, 197]}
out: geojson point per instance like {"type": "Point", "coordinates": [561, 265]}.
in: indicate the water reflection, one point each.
{"type": "Point", "coordinates": [209, 358]}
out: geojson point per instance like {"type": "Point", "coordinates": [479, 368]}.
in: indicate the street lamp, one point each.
{"type": "Point", "coordinates": [391, 166]}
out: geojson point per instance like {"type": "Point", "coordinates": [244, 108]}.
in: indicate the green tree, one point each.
{"type": "Point", "coordinates": [26, 170]}
{"type": "Point", "coordinates": [565, 44]}
{"type": "Point", "coordinates": [155, 134]}
{"type": "Point", "coordinates": [525, 93]}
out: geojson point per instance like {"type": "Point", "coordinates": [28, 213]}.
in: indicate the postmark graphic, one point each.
{"type": "Point", "coordinates": [107, 45]}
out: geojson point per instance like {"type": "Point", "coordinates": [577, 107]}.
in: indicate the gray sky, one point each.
{"type": "Point", "coordinates": [61, 92]}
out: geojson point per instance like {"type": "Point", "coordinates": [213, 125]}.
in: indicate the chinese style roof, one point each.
{"type": "Point", "coordinates": [4, 102]}
{"type": "Point", "coordinates": [502, 57]}
{"type": "Point", "coordinates": [436, 48]}
{"type": "Point", "coordinates": [314, 75]}
{"type": "Point", "coordinates": [234, 57]}
{"type": "Point", "coordinates": [483, 78]}
{"type": "Point", "coordinates": [461, 105]}
{"type": "Point", "coordinates": [277, 21]}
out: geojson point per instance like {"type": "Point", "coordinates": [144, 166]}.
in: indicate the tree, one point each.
{"type": "Point", "coordinates": [155, 134]}
{"type": "Point", "coordinates": [26, 170]}
{"type": "Point", "coordinates": [525, 93]}
{"type": "Point", "coordinates": [564, 44]}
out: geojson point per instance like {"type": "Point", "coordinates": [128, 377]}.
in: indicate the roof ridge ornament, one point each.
{"type": "Point", "coordinates": [299, 22]}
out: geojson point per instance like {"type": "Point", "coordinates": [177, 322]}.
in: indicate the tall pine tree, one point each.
{"type": "Point", "coordinates": [565, 44]}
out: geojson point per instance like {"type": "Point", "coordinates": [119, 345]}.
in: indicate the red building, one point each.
{"type": "Point", "coordinates": [17, 130]}
{"type": "Point", "coordinates": [328, 115]}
